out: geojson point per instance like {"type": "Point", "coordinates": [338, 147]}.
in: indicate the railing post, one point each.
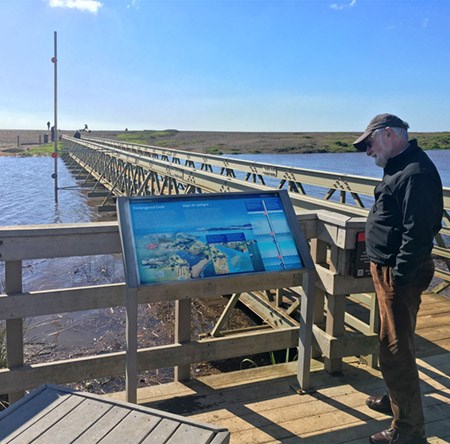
{"type": "Point", "coordinates": [14, 327]}
{"type": "Point", "coordinates": [319, 256]}
{"type": "Point", "coordinates": [131, 367]}
{"type": "Point", "coordinates": [182, 334]}
{"type": "Point", "coordinates": [335, 325]}
{"type": "Point", "coordinates": [305, 332]}
{"type": "Point", "coordinates": [374, 323]}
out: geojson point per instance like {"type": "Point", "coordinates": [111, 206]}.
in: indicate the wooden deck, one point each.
{"type": "Point", "coordinates": [261, 405]}
{"type": "Point", "coordinates": [53, 414]}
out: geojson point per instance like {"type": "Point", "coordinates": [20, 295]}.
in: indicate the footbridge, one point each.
{"type": "Point", "coordinates": [111, 168]}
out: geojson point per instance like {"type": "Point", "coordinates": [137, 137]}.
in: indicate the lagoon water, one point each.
{"type": "Point", "coordinates": [27, 189]}
{"type": "Point", "coordinates": [27, 193]}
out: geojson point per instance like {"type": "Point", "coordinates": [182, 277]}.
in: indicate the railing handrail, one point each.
{"type": "Point", "coordinates": [52, 241]}
{"type": "Point", "coordinates": [265, 169]}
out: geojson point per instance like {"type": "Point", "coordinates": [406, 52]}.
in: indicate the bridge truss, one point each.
{"type": "Point", "coordinates": [111, 168]}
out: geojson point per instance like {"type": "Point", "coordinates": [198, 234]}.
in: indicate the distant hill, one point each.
{"type": "Point", "coordinates": [221, 142]}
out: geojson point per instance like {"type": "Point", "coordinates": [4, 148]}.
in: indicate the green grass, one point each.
{"type": "Point", "coordinates": [145, 137]}
{"type": "Point", "coordinates": [433, 141]}
{"type": "Point", "coordinates": [216, 149]}
{"type": "Point", "coordinates": [41, 150]}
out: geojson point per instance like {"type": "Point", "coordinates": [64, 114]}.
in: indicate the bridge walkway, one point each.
{"type": "Point", "coordinates": [261, 405]}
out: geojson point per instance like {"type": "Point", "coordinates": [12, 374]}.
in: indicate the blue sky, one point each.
{"type": "Point", "coordinates": [247, 65]}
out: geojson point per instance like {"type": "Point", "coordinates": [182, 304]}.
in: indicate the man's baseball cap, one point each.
{"type": "Point", "coordinates": [379, 121]}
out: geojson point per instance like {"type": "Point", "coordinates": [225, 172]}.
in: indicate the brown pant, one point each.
{"type": "Point", "coordinates": [398, 314]}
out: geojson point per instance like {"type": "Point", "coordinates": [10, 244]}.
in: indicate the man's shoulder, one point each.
{"type": "Point", "coordinates": [417, 162]}
{"type": "Point", "coordinates": [416, 167]}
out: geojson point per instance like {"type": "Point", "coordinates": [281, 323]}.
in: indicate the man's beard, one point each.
{"type": "Point", "coordinates": [383, 156]}
{"type": "Point", "coordinates": [381, 160]}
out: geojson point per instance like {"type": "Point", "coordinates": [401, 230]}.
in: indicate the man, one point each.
{"type": "Point", "coordinates": [401, 225]}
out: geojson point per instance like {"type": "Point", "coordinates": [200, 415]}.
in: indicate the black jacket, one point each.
{"type": "Point", "coordinates": [406, 215]}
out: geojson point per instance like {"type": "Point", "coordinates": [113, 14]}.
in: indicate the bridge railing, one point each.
{"type": "Point", "coordinates": [276, 176]}
{"type": "Point", "coordinates": [133, 169]}
{"type": "Point", "coordinates": [333, 241]}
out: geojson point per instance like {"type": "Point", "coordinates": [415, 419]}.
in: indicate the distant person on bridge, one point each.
{"type": "Point", "coordinates": [400, 228]}
{"type": "Point", "coordinates": [48, 126]}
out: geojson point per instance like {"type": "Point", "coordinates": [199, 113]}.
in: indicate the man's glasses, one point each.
{"type": "Point", "coordinates": [371, 138]}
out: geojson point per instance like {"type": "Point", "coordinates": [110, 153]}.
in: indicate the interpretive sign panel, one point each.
{"type": "Point", "coordinates": [185, 237]}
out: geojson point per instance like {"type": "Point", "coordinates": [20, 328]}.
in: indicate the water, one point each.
{"type": "Point", "coordinates": [27, 193]}
{"type": "Point", "coordinates": [27, 197]}
{"type": "Point", "coordinates": [350, 163]}
{"type": "Point", "coordinates": [27, 189]}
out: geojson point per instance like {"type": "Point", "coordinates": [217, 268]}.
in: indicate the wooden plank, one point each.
{"type": "Point", "coordinates": [162, 432]}
{"type": "Point", "coordinates": [294, 407]}
{"type": "Point", "coordinates": [335, 284]}
{"type": "Point", "coordinates": [133, 428]}
{"type": "Point", "coordinates": [46, 418]}
{"type": "Point", "coordinates": [75, 422]}
{"type": "Point", "coordinates": [20, 414]}
{"type": "Point", "coordinates": [435, 333]}
{"type": "Point", "coordinates": [38, 303]}
{"type": "Point", "coordinates": [186, 433]}
{"type": "Point", "coordinates": [103, 426]}
{"type": "Point", "coordinates": [354, 345]}
{"type": "Point", "coordinates": [221, 438]}
{"type": "Point", "coordinates": [213, 287]}
{"type": "Point", "coordinates": [264, 427]}
{"type": "Point", "coordinates": [425, 349]}
{"type": "Point", "coordinates": [64, 240]}
{"type": "Point", "coordinates": [433, 320]}
{"type": "Point", "coordinates": [434, 306]}
{"type": "Point", "coordinates": [111, 364]}
{"type": "Point", "coordinates": [278, 394]}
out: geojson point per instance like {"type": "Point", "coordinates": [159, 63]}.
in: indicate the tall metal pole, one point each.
{"type": "Point", "coordinates": [55, 133]}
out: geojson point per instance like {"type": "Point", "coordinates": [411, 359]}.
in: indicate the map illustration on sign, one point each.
{"type": "Point", "coordinates": [179, 239]}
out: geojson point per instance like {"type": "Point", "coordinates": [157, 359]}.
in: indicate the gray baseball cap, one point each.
{"type": "Point", "coordinates": [379, 121]}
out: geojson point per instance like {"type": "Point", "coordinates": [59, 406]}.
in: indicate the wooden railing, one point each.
{"type": "Point", "coordinates": [333, 241]}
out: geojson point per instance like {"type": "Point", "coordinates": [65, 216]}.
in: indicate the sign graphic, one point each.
{"type": "Point", "coordinates": [176, 238]}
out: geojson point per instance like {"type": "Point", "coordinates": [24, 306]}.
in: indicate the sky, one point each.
{"type": "Point", "coordinates": [225, 65]}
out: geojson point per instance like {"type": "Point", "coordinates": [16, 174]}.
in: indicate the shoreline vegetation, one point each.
{"type": "Point", "coordinates": [27, 142]}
